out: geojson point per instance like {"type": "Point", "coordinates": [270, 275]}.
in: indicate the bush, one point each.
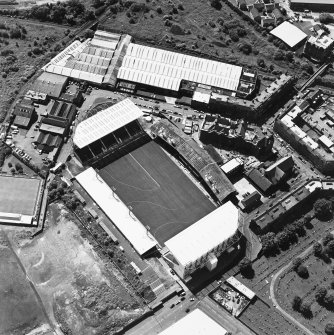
{"type": "Point", "coordinates": [176, 29]}
{"type": "Point", "coordinates": [296, 302]}
{"type": "Point", "coordinates": [283, 240]}
{"type": "Point", "coordinates": [233, 33]}
{"type": "Point", "coordinates": [18, 166]}
{"type": "Point", "coordinates": [100, 10]}
{"type": "Point", "coordinates": [246, 48]}
{"type": "Point", "coordinates": [260, 62]}
{"type": "Point", "coordinates": [296, 263]}
{"type": "Point", "coordinates": [10, 164]}
{"type": "Point", "coordinates": [302, 271]}
{"type": "Point", "coordinates": [329, 249]}
{"type": "Point", "coordinates": [6, 52]}
{"type": "Point", "coordinates": [320, 294]}
{"type": "Point", "coordinates": [159, 10]}
{"type": "Point", "coordinates": [329, 299]}
{"type": "Point", "coordinates": [329, 329]}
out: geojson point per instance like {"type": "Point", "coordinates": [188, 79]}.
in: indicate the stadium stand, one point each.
{"type": "Point", "coordinates": [109, 133]}
{"type": "Point", "coordinates": [199, 162]}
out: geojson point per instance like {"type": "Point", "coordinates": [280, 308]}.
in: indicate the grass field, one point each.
{"type": "Point", "coordinates": [19, 195]}
{"type": "Point", "coordinates": [27, 56]}
{"type": "Point", "coordinates": [20, 310]}
{"type": "Point", "coordinates": [158, 191]}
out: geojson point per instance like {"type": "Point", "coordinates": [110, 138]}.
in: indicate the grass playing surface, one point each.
{"type": "Point", "coordinates": [160, 194]}
{"type": "Point", "coordinates": [18, 195]}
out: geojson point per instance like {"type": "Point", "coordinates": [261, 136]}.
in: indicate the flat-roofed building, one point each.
{"type": "Point", "coordinates": [201, 244]}
{"type": "Point", "coordinates": [319, 48]}
{"type": "Point", "coordinates": [195, 323]}
{"type": "Point", "coordinates": [23, 112]}
{"type": "Point", "coordinates": [291, 35]}
{"type": "Point", "coordinates": [51, 84]}
{"type": "Point", "coordinates": [315, 5]}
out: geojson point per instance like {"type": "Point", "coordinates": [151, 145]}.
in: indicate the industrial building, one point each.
{"type": "Point", "coordinates": [319, 48]}
{"type": "Point", "coordinates": [195, 323]}
{"type": "Point", "coordinates": [236, 135]}
{"type": "Point", "coordinates": [47, 85]}
{"type": "Point", "coordinates": [291, 35]}
{"type": "Point", "coordinates": [307, 125]}
{"type": "Point", "coordinates": [314, 5]}
{"type": "Point", "coordinates": [24, 112]}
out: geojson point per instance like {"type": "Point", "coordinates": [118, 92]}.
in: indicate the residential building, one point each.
{"type": "Point", "coordinates": [319, 48]}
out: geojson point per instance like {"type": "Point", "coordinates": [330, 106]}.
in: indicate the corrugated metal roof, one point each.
{"type": "Point", "coordinates": [166, 69]}
{"type": "Point", "coordinates": [105, 122]}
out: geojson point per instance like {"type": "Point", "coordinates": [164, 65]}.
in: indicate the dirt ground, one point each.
{"type": "Point", "coordinates": [78, 293]}
{"type": "Point", "coordinates": [20, 309]}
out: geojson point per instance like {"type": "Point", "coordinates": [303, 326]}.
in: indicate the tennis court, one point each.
{"type": "Point", "coordinates": [19, 195]}
{"type": "Point", "coordinates": [159, 193]}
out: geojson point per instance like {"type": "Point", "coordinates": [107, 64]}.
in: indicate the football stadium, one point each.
{"type": "Point", "coordinates": [157, 202]}
{"type": "Point", "coordinates": [19, 200]}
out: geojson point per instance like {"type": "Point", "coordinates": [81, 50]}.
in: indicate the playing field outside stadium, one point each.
{"type": "Point", "coordinates": [19, 194]}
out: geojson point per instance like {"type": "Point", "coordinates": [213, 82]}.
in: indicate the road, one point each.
{"type": "Point", "coordinates": [168, 316]}
{"type": "Point", "coordinates": [272, 293]}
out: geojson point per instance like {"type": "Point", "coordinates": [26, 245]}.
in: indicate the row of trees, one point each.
{"type": "Point", "coordinates": [272, 243]}
{"type": "Point", "coordinates": [71, 12]}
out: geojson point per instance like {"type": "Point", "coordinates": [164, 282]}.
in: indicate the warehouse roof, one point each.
{"type": "Point", "coordinates": [195, 323]}
{"type": "Point", "coordinates": [49, 83]}
{"type": "Point", "coordinates": [166, 69]}
{"type": "Point", "coordinates": [105, 122]}
{"type": "Point", "coordinates": [289, 34]}
{"type": "Point", "coordinates": [204, 235]}
{"type": "Point", "coordinates": [116, 211]}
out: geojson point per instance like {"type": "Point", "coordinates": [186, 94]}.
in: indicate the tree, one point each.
{"type": "Point", "coordinates": [329, 249]}
{"type": "Point", "coordinates": [329, 299]}
{"type": "Point", "coordinates": [322, 208]}
{"type": "Point", "coordinates": [317, 249]}
{"type": "Point", "coordinates": [296, 302]}
{"type": "Point", "coordinates": [260, 62]}
{"type": "Point", "coordinates": [302, 271]}
{"type": "Point", "coordinates": [283, 240]}
{"type": "Point", "coordinates": [296, 263]}
{"type": "Point", "coordinates": [329, 329]}
{"type": "Point", "coordinates": [245, 265]}
{"type": "Point", "coordinates": [97, 3]}
{"type": "Point", "coordinates": [320, 294]}
{"type": "Point", "coordinates": [215, 4]}
{"type": "Point", "coordinates": [328, 238]}
{"type": "Point", "coordinates": [326, 18]}
{"type": "Point", "coordinates": [246, 48]}
{"type": "Point", "coordinates": [18, 166]}
{"type": "Point", "coordinates": [305, 308]}
{"type": "Point", "coordinates": [269, 245]}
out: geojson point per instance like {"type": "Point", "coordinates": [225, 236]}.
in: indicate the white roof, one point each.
{"type": "Point", "coordinates": [289, 34]}
{"type": "Point", "coordinates": [325, 141]}
{"type": "Point", "coordinates": [117, 211]}
{"type": "Point", "coordinates": [231, 165]}
{"type": "Point", "coordinates": [234, 282]}
{"type": "Point", "coordinates": [298, 132]}
{"type": "Point", "coordinates": [287, 121]}
{"type": "Point", "coordinates": [295, 111]}
{"type": "Point", "coordinates": [105, 122]}
{"type": "Point", "coordinates": [195, 323]}
{"type": "Point", "coordinates": [166, 69]}
{"type": "Point", "coordinates": [204, 235]}
{"type": "Point", "coordinates": [312, 144]}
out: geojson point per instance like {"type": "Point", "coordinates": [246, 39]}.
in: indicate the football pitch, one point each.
{"type": "Point", "coordinates": [159, 193]}
{"type": "Point", "coordinates": [19, 195]}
